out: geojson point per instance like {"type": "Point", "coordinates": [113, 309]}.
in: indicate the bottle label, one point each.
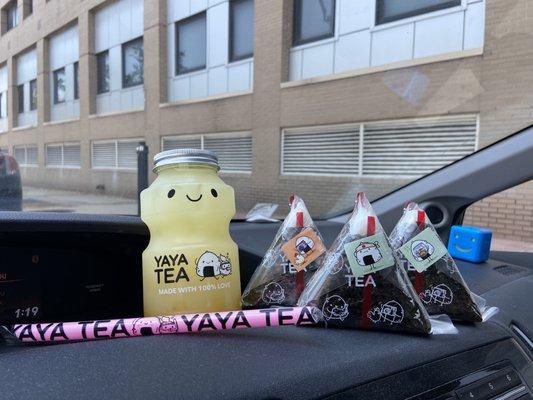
{"type": "Point", "coordinates": [303, 249]}
{"type": "Point", "coordinates": [368, 255]}
{"type": "Point", "coordinates": [423, 250]}
{"type": "Point", "coordinates": [183, 273]}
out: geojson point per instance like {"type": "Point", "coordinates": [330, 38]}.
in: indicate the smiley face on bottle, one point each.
{"type": "Point", "coordinates": [172, 192]}
{"type": "Point", "coordinates": [179, 197]}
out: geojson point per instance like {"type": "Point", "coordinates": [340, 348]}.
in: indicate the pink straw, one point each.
{"type": "Point", "coordinates": [186, 323]}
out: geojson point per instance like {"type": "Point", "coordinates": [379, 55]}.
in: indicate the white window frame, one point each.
{"type": "Point", "coordinates": [361, 127]}
{"type": "Point", "coordinates": [62, 145]}
{"type": "Point", "coordinates": [231, 134]}
{"type": "Point", "coordinates": [115, 141]}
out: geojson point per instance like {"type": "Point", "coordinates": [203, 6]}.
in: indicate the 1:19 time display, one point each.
{"type": "Point", "coordinates": [31, 311]}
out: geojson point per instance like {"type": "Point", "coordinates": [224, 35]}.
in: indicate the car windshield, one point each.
{"type": "Point", "coordinates": [319, 98]}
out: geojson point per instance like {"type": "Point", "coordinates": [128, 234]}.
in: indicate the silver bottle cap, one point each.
{"type": "Point", "coordinates": [185, 156]}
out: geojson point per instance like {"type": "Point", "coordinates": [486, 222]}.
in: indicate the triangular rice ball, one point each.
{"type": "Point", "coordinates": [360, 284]}
{"type": "Point", "coordinates": [289, 263]}
{"type": "Point", "coordinates": [430, 267]}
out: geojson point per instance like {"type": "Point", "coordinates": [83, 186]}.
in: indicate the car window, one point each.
{"type": "Point", "coordinates": [319, 98]}
{"type": "Point", "coordinates": [509, 215]}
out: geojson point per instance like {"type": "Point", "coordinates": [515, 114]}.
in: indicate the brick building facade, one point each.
{"type": "Point", "coordinates": [459, 71]}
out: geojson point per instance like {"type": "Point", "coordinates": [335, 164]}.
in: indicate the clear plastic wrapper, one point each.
{"type": "Point", "coordinates": [432, 270]}
{"type": "Point", "coordinates": [360, 283]}
{"type": "Point", "coordinates": [289, 263]}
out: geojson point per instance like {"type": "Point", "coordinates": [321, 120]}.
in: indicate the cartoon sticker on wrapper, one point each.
{"type": "Point", "coordinates": [369, 255]}
{"type": "Point", "coordinates": [423, 250]}
{"type": "Point", "coordinates": [303, 249]}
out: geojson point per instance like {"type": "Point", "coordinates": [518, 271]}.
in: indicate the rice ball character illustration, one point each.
{"type": "Point", "coordinates": [145, 327]}
{"type": "Point", "coordinates": [422, 250]}
{"type": "Point", "coordinates": [303, 246]}
{"type": "Point", "coordinates": [335, 308]}
{"type": "Point", "coordinates": [273, 293]}
{"type": "Point", "coordinates": [208, 266]}
{"type": "Point", "coordinates": [367, 253]}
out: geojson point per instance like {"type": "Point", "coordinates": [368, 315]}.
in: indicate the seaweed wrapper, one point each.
{"type": "Point", "coordinates": [383, 300]}
{"type": "Point", "coordinates": [441, 287]}
{"type": "Point", "coordinates": [276, 281]}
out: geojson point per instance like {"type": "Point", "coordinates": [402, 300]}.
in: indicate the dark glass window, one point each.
{"type": "Point", "coordinates": [76, 81]}
{"type": "Point", "coordinates": [241, 29]}
{"type": "Point", "coordinates": [33, 95]}
{"type": "Point", "coordinates": [132, 63]}
{"type": "Point", "coordinates": [11, 15]}
{"type": "Point", "coordinates": [59, 86]}
{"type": "Point", "coordinates": [191, 44]}
{"type": "Point", "coordinates": [102, 72]}
{"type": "Point", "coordinates": [393, 10]}
{"type": "Point", "coordinates": [20, 93]}
{"type": "Point", "coordinates": [313, 20]}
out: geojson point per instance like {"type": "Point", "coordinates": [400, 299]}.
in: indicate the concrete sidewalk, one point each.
{"type": "Point", "coordinates": [39, 199]}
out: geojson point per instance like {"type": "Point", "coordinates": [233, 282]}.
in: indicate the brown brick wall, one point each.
{"type": "Point", "coordinates": [509, 214]}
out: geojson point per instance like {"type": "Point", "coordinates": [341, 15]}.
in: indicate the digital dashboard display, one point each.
{"type": "Point", "coordinates": [20, 291]}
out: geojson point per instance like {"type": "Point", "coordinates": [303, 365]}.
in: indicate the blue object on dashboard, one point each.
{"type": "Point", "coordinates": [469, 243]}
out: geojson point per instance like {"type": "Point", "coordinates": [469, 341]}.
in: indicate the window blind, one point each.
{"type": "Point", "coordinates": [321, 151]}
{"type": "Point", "coordinates": [416, 148]}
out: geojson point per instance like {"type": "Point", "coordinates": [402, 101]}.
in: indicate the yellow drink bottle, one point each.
{"type": "Point", "coordinates": [191, 263]}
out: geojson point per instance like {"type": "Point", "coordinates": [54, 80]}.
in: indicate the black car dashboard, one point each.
{"type": "Point", "coordinates": [89, 267]}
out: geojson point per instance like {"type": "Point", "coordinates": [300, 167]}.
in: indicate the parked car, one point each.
{"type": "Point", "coordinates": [10, 184]}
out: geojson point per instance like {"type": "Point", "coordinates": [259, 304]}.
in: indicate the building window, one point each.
{"type": "Point", "coordinates": [241, 29]}
{"type": "Point", "coordinates": [191, 44]}
{"type": "Point", "coordinates": [234, 150]}
{"type": "Point", "coordinates": [76, 81]}
{"type": "Point", "coordinates": [59, 86]}
{"type": "Point", "coordinates": [102, 71]}
{"type": "Point", "coordinates": [393, 10]}
{"type": "Point", "coordinates": [11, 15]}
{"type": "Point", "coordinates": [20, 93]}
{"type": "Point", "coordinates": [26, 155]}
{"type": "Point", "coordinates": [33, 95]}
{"type": "Point", "coordinates": [63, 155]}
{"type": "Point", "coordinates": [313, 20]}
{"type": "Point", "coordinates": [132, 63]}
{"type": "Point", "coordinates": [397, 148]}
{"type": "Point", "coordinates": [3, 105]}
{"type": "Point", "coordinates": [115, 154]}
{"type": "Point", "coordinates": [182, 142]}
